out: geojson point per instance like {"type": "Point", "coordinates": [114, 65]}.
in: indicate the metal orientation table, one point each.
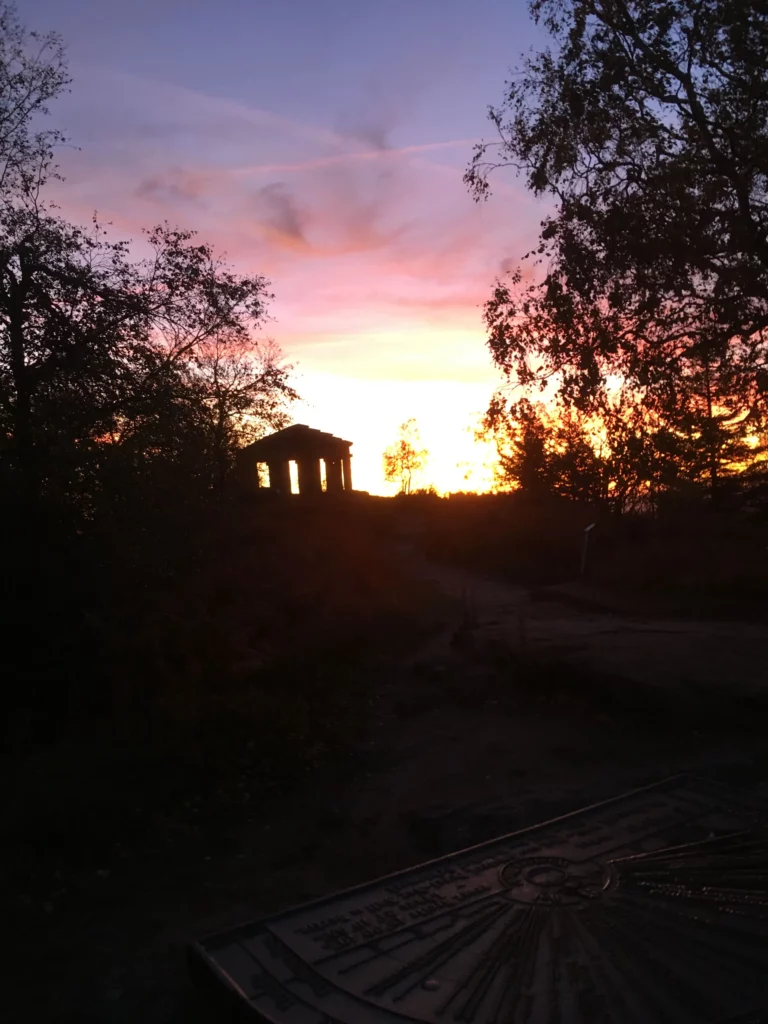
{"type": "Point", "coordinates": [650, 907]}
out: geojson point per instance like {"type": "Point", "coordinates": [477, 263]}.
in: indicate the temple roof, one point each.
{"type": "Point", "coordinates": [297, 442]}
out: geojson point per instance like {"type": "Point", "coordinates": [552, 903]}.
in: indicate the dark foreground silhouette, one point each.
{"type": "Point", "coordinates": [326, 693]}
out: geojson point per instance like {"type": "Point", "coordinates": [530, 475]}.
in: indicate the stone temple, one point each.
{"type": "Point", "coordinates": [312, 451]}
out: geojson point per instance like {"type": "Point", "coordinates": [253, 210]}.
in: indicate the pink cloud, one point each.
{"type": "Point", "coordinates": [372, 244]}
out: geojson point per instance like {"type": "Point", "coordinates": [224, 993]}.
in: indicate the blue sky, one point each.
{"type": "Point", "coordinates": [322, 144]}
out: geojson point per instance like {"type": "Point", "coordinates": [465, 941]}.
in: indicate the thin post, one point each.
{"type": "Point", "coordinates": [585, 546]}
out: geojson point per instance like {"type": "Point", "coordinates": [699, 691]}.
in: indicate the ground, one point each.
{"type": "Point", "coordinates": [524, 706]}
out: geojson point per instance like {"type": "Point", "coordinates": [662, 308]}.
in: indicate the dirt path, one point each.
{"type": "Point", "coordinates": [462, 745]}
{"type": "Point", "coordinates": [578, 624]}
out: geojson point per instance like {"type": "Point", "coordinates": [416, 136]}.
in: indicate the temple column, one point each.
{"type": "Point", "coordinates": [347, 463]}
{"type": "Point", "coordinates": [280, 477]}
{"type": "Point", "coordinates": [246, 473]}
{"type": "Point", "coordinates": [310, 478]}
{"type": "Point", "coordinates": [333, 478]}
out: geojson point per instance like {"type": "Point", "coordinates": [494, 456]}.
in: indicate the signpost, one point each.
{"type": "Point", "coordinates": [584, 547]}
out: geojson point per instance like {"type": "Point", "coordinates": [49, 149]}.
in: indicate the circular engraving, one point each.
{"type": "Point", "coordinates": [555, 881]}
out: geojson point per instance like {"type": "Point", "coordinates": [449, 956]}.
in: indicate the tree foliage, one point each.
{"type": "Point", "coordinates": [405, 458]}
{"type": "Point", "coordinates": [104, 359]}
{"type": "Point", "coordinates": [647, 125]}
{"type": "Point", "coordinates": [617, 459]}
{"type": "Point", "coordinates": [126, 385]}
{"type": "Point", "coordinates": [33, 71]}
{"type": "Point", "coordinates": [114, 371]}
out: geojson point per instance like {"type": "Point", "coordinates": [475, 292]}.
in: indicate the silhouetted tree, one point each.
{"type": "Point", "coordinates": [648, 124]}
{"type": "Point", "coordinates": [102, 357]}
{"type": "Point", "coordinates": [33, 71]}
{"type": "Point", "coordinates": [126, 385]}
{"type": "Point", "coordinates": [244, 388]}
{"type": "Point", "coordinates": [522, 441]}
{"type": "Point", "coordinates": [112, 371]}
{"type": "Point", "coordinates": [616, 459]}
{"type": "Point", "coordinates": [404, 457]}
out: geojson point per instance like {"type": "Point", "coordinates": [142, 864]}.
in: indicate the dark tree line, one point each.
{"type": "Point", "coordinates": [126, 383]}
{"type": "Point", "coordinates": [646, 123]}
{"type": "Point", "coordinates": [111, 365]}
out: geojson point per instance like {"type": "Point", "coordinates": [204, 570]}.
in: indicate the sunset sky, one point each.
{"type": "Point", "coordinates": [321, 143]}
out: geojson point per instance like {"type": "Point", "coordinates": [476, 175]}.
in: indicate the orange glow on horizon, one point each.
{"type": "Point", "coordinates": [379, 260]}
{"type": "Point", "coordinates": [369, 413]}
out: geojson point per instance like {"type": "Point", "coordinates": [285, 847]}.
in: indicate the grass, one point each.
{"type": "Point", "coordinates": [198, 685]}
{"type": "Point", "coordinates": [221, 684]}
{"type": "Point", "coordinates": [513, 678]}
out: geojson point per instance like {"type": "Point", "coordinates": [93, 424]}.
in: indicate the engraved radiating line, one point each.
{"type": "Point", "coordinates": [439, 954]}
{"type": "Point", "coordinates": [680, 891]}
{"type": "Point", "coordinates": [713, 876]}
{"type": "Point", "coordinates": [592, 1003]}
{"type": "Point", "coordinates": [640, 971]}
{"type": "Point", "coordinates": [641, 942]}
{"type": "Point", "coordinates": [708, 888]}
{"type": "Point", "coordinates": [739, 927]}
{"type": "Point", "coordinates": [710, 798]}
{"type": "Point", "coordinates": [601, 963]}
{"type": "Point", "coordinates": [714, 968]}
{"type": "Point", "coordinates": [703, 884]}
{"type": "Point", "coordinates": [738, 949]}
{"type": "Point", "coordinates": [530, 952]}
{"type": "Point", "coordinates": [498, 956]}
{"type": "Point", "coordinates": [740, 840]}
{"type": "Point", "coordinates": [732, 866]}
{"type": "Point", "coordinates": [555, 956]}
{"type": "Point", "coordinates": [643, 967]}
{"type": "Point", "coordinates": [550, 834]}
{"type": "Point", "coordinates": [517, 1001]}
{"type": "Point", "coordinates": [735, 875]}
{"type": "Point", "coordinates": [693, 928]}
{"type": "Point", "coordinates": [658, 829]}
{"type": "Point", "coordinates": [452, 953]}
{"type": "Point", "coordinates": [700, 871]}
{"type": "Point", "coordinates": [737, 863]}
{"type": "Point", "coordinates": [688, 995]}
{"type": "Point", "coordinates": [699, 805]}
{"type": "Point", "coordinates": [688, 887]}
{"type": "Point", "coordinates": [593, 976]}
{"type": "Point", "coordinates": [686, 921]}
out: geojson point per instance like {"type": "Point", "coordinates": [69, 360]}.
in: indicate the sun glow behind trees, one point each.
{"type": "Point", "coordinates": [648, 121]}
{"type": "Point", "coordinates": [369, 412]}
